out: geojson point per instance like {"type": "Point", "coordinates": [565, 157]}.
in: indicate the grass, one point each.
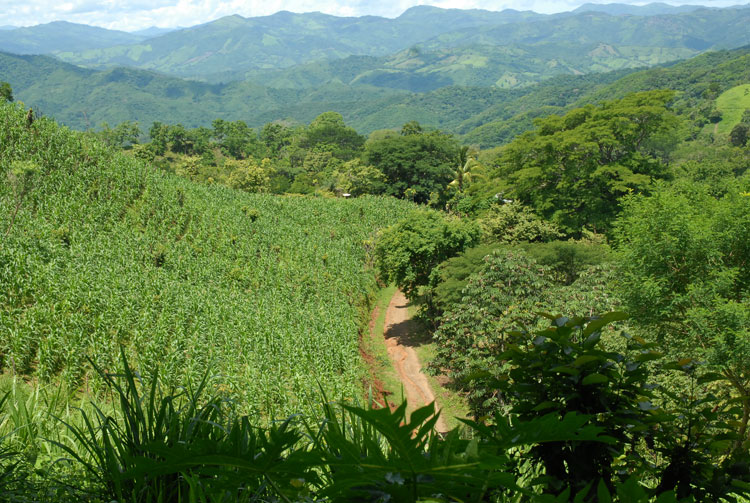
{"type": "Point", "coordinates": [374, 345]}
{"type": "Point", "coordinates": [732, 104]}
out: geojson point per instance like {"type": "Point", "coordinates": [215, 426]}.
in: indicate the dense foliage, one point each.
{"type": "Point", "coordinates": [573, 169]}
{"type": "Point", "coordinates": [238, 307]}
{"type": "Point", "coordinates": [686, 276]}
{"type": "Point", "coordinates": [407, 252]}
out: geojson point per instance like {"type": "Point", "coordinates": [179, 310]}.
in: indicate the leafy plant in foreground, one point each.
{"type": "Point", "coordinates": [566, 369]}
{"type": "Point", "coordinates": [186, 445]}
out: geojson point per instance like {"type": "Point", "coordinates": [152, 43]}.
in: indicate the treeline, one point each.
{"type": "Point", "coordinates": [325, 157]}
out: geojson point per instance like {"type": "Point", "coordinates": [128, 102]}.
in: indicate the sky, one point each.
{"type": "Point", "coordinates": [133, 15]}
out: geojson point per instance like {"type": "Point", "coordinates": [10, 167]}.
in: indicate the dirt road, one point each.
{"type": "Point", "coordinates": [399, 330]}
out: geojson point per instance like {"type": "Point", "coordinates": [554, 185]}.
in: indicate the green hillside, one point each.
{"type": "Point", "coordinates": [485, 116]}
{"type": "Point", "coordinates": [83, 98]}
{"type": "Point", "coordinates": [99, 250]}
{"type": "Point", "coordinates": [62, 36]}
{"type": "Point", "coordinates": [700, 80]}
{"type": "Point", "coordinates": [732, 104]}
{"type": "Point", "coordinates": [651, 9]}
{"type": "Point", "coordinates": [702, 76]}
{"type": "Point", "coordinates": [698, 30]}
{"type": "Point", "coordinates": [477, 66]}
{"type": "Point", "coordinates": [284, 39]}
{"type": "Point", "coordinates": [465, 47]}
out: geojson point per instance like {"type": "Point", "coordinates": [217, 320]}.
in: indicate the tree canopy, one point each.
{"type": "Point", "coordinates": [418, 161]}
{"type": "Point", "coordinates": [573, 169]}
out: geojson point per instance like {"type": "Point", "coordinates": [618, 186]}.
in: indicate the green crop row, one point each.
{"type": "Point", "coordinates": [99, 250]}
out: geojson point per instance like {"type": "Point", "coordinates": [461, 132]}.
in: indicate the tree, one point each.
{"type": "Point", "coordinates": [410, 128]}
{"type": "Point", "coordinates": [356, 178]}
{"type": "Point", "coordinates": [420, 162]}
{"type": "Point", "coordinates": [124, 134]}
{"type": "Point", "coordinates": [329, 132]}
{"type": "Point", "coordinates": [462, 174]}
{"type": "Point", "coordinates": [275, 137]}
{"type": "Point", "coordinates": [158, 135]}
{"type": "Point", "coordinates": [6, 93]}
{"type": "Point", "coordinates": [236, 139]}
{"type": "Point", "coordinates": [407, 252]}
{"type": "Point", "coordinates": [685, 272]}
{"type": "Point", "coordinates": [573, 169]}
{"type": "Point", "coordinates": [513, 222]}
{"type": "Point", "coordinates": [739, 135]}
{"type": "Point", "coordinates": [247, 176]}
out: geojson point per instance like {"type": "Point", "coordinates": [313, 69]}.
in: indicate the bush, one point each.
{"type": "Point", "coordinates": [515, 223]}
{"type": "Point", "coordinates": [407, 252]}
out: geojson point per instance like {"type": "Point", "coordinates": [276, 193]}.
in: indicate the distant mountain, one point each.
{"type": "Point", "coordinates": [84, 98]}
{"type": "Point", "coordinates": [7, 27]}
{"type": "Point", "coordinates": [698, 30]}
{"type": "Point", "coordinates": [475, 66]}
{"type": "Point", "coordinates": [284, 39]}
{"type": "Point", "coordinates": [700, 80]}
{"type": "Point", "coordinates": [652, 9]}
{"type": "Point", "coordinates": [62, 36]}
{"type": "Point", "coordinates": [153, 31]}
{"type": "Point", "coordinates": [464, 47]}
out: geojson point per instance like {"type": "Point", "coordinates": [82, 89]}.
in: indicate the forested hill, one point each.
{"type": "Point", "coordinates": [285, 39]}
{"type": "Point", "coordinates": [62, 36]}
{"type": "Point", "coordinates": [699, 80]}
{"type": "Point", "coordinates": [83, 98]}
{"type": "Point", "coordinates": [232, 46]}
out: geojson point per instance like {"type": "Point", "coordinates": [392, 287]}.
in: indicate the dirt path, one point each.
{"type": "Point", "coordinates": [398, 331]}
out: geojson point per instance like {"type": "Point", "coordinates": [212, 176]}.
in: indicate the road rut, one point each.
{"type": "Point", "coordinates": [399, 333]}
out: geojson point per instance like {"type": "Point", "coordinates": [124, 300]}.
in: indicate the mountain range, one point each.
{"type": "Point", "coordinates": [459, 70]}
{"type": "Point", "coordinates": [233, 48]}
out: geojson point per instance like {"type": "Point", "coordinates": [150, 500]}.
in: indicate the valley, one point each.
{"type": "Point", "coordinates": [455, 255]}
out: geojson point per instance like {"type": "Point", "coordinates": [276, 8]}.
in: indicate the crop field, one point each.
{"type": "Point", "coordinates": [98, 250]}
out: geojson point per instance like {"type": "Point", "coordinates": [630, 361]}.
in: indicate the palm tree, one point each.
{"type": "Point", "coordinates": [462, 173]}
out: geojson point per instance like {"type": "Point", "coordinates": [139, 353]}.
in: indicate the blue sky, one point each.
{"type": "Point", "coordinates": [137, 14]}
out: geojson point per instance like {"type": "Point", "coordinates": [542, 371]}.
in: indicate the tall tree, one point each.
{"type": "Point", "coordinates": [419, 162]}
{"type": "Point", "coordinates": [573, 169]}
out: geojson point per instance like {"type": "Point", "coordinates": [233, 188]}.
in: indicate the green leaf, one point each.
{"type": "Point", "coordinates": [711, 377]}
{"type": "Point", "coordinates": [545, 405]}
{"type": "Point", "coordinates": [667, 497]}
{"type": "Point", "coordinates": [606, 319]}
{"type": "Point", "coordinates": [583, 360]}
{"type": "Point", "coordinates": [594, 379]}
{"type": "Point", "coordinates": [602, 493]}
{"type": "Point", "coordinates": [648, 356]}
{"type": "Point", "coordinates": [631, 491]}
{"type": "Point", "coordinates": [592, 340]}
{"type": "Point", "coordinates": [563, 369]}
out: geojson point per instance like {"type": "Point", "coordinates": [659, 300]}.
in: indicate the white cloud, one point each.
{"type": "Point", "coordinates": [137, 14]}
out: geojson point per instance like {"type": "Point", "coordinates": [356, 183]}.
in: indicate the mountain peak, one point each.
{"type": "Point", "coordinates": [420, 10]}
{"type": "Point", "coordinates": [651, 9]}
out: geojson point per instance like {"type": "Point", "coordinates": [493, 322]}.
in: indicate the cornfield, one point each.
{"type": "Point", "coordinates": [266, 294]}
